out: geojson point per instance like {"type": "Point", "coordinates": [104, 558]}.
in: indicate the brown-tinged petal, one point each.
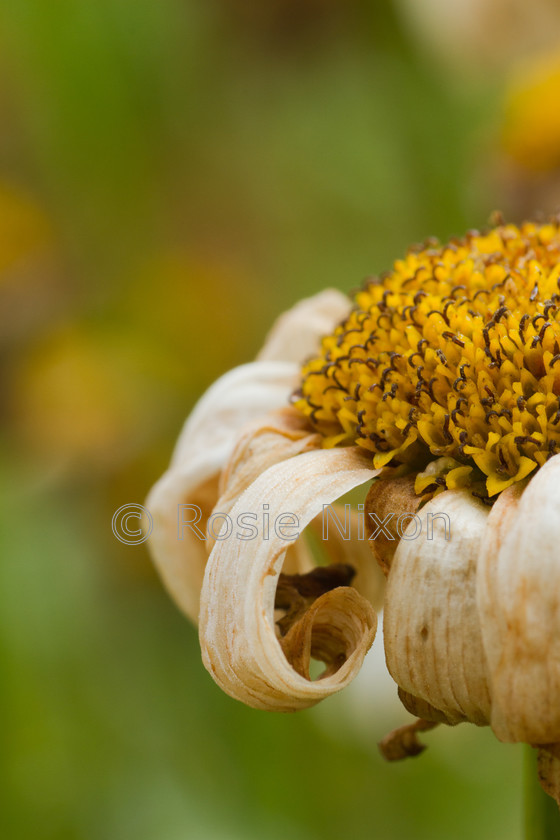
{"type": "Point", "coordinates": [548, 767]}
{"type": "Point", "coordinates": [268, 440]}
{"type": "Point", "coordinates": [389, 499]}
{"type": "Point", "coordinates": [296, 333]}
{"type": "Point", "coordinates": [519, 603]}
{"type": "Point", "coordinates": [432, 636]}
{"type": "Point", "coordinates": [237, 632]}
{"type": "Point", "coordinates": [424, 710]}
{"type": "Point", "coordinates": [329, 631]}
{"type": "Point", "coordinates": [209, 436]}
{"type": "Point", "coordinates": [205, 444]}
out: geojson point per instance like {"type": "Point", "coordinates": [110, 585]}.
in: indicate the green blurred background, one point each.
{"type": "Point", "coordinates": [173, 174]}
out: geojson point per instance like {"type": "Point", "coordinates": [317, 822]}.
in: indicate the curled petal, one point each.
{"type": "Point", "coordinates": [296, 333]}
{"type": "Point", "coordinates": [330, 630]}
{"type": "Point", "coordinates": [204, 446]}
{"type": "Point", "coordinates": [210, 433]}
{"type": "Point", "coordinates": [268, 440]}
{"type": "Point", "coordinates": [432, 636]}
{"type": "Point", "coordinates": [239, 644]}
{"type": "Point", "coordinates": [519, 602]}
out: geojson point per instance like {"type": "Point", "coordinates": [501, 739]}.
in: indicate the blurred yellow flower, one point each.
{"type": "Point", "coordinates": [24, 230]}
{"type": "Point", "coordinates": [89, 397]}
{"type": "Point", "coordinates": [163, 300]}
{"type": "Point", "coordinates": [31, 285]}
{"type": "Point", "coordinates": [531, 132]}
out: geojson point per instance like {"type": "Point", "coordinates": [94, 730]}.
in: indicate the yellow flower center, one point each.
{"type": "Point", "coordinates": [455, 353]}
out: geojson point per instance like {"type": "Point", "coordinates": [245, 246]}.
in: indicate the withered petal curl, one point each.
{"type": "Point", "coordinates": [204, 446]}
{"type": "Point", "coordinates": [239, 643]}
{"type": "Point", "coordinates": [211, 431]}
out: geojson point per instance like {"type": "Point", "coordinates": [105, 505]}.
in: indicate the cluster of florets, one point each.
{"type": "Point", "coordinates": [455, 353]}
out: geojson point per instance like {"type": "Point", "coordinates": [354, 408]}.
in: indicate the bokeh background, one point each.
{"type": "Point", "coordinates": [174, 174]}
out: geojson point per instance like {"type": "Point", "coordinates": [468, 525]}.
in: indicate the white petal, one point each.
{"type": "Point", "coordinates": [273, 438]}
{"type": "Point", "coordinates": [432, 636]}
{"type": "Point", "coordinates": [296, 334]}
{"type": "Point", "coordinates": [210, 433]}
{"type": "Point", "coordinates": [204, 446]}
{"type": "Point", "coordinates": [237, 634]}
{"type": "Point", "coordinates": [276, 437]}
{"type": "Point", "coordinates": [519, 601]}
{"type": "Point", "coordinates": [235, 399]}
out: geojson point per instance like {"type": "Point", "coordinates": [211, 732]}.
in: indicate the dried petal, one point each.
{"type": "Point", "coordinates": [330, 630]}
{"type": "Point", "coordinates": [424, 710]}
{"type": "Point", "coordinates": [295, 334]}
{"type": "Point", "coordinates": [519, 602]}
{"type": "Point", "coordinates": [237, 633]}
{"type": "Point", "coordinates": [387, 500]}
{"type": "Point", "coordinates": [204, 446]}
{"type": "Point", "coordinates": [295, 593]}
{"type": "Point", "coordinates": [432, 636]}
{"type": "Point", "coordinates": [271, 438]}
{"type": "Point", "coordinates": [209, 435]}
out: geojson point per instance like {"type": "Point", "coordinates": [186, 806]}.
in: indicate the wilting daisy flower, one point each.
{"type": "Point", "coordinates": [442, 384]}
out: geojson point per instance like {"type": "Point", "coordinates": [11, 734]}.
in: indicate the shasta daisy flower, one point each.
{"type": "Point", "coordinates": [441, 383]}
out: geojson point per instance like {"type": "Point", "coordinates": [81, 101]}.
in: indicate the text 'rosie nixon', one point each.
{"type": "Point", "coordinates": [286, 526]}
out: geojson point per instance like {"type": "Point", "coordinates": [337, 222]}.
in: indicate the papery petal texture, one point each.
{"type": "Point", "coordinates": [204, 446]}
{"type": "Point", "coordinates": [276, 437]}
{"type": "Point", "coordinates": [432, 635]}
{"type": "Point", "coordinates": [519, 599]}
{"type": "Point", "coordinates": [239, 642]}
{"type": "Point", "coordinates": [210, 433]}
{"type": "Point", "coordinates": [295, 334]}
{"type": "Point", "coordinates": [272, 438]}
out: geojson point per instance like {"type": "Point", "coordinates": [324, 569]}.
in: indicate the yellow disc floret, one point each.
{"type": "Point", "coordinates": [455, 353]}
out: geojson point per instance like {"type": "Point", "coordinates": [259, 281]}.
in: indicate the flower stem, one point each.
{"type": "Point", "coordinates": [542, 818]}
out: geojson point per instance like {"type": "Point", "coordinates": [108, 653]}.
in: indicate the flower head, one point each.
{"type": "Point", "coordinates": [440, 390]}
{"type": "Point", "coordinates": [456, 353]}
